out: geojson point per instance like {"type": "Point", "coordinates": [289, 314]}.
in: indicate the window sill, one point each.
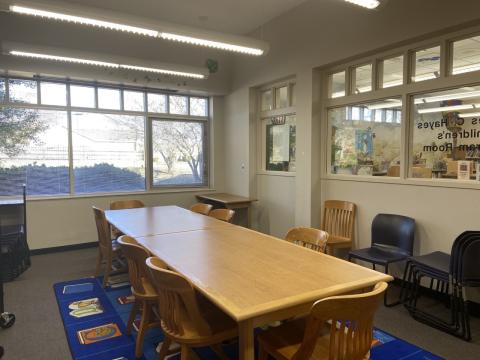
{"type": "Point", "coordinates": [277, 173]}
{"type": "Point", "coordinates": [114, 194]}
{"type": "Point", "coordinates": [445, 183]}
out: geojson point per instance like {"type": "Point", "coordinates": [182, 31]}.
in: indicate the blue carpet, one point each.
{"type": "Point", "coordinates": [122, 347]}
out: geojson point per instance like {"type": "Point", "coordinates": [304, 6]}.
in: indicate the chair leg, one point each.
{"type": "Point", "coordinates": [146, 312]}
{"type": "Point", "coordinates": [164, 349]}
{"type": "Point", "coordinates": [106, 273]}
{"type": "Point", "coordinates": [184, 352]}
{"type": "Point", "coordinates": [99, 263]}
{"type": "Point", "coordinates": [217, 348]}
{"type": "Point", "coordinates": [262, 353]}
{"type": "Point", "coordinates": [131, 318]}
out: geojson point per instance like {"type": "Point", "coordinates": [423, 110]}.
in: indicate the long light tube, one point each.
{"type": "Point", "coordinates": [106, 64]}
{"type": "Point", "coordinates": [82, 20]}
{"type": "Point", "coordinates": [172, 36]}
{"type": "Point", "coordinates": [369, 4]}
{"type": "Point", "coordinates": [448, 108]}
{"type": "Point", "coordinates": [462, 95]}
{"type": "Point", "coordinates": [474, 114]}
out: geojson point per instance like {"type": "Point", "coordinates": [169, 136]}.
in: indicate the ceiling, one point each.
{"type": "Point", "coordinates": [230, 16]}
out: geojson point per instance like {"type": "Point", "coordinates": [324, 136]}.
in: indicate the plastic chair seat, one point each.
{"type": "Point", "coordinates": [377, 255]}
{"type": "Point", "coordinates": [436, 263]}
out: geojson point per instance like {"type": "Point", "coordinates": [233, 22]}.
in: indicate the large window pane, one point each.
{"type": "Point", "coordinates": [33, 150]}
{"type": "Point", "coordinates": [198, 106]}
{"type": "Point", "coordinates": [446, 134]}
{"type": "Point", "coordinates": [82, 96]}
{"type": "Point", "coordinates": [108, 152]}
{"type": "Point", "coordinates": [363, 78]}
{"type": "Point", "coordinates": [362, 146]}
{"type": "Point", "coordinates": [53, 94]}
{"type": "Point", "coordinates": [426, 64]}
{"type": "Point", "coordinates": [178, 157]}
{"type": "Point", "coordinates": [337, 84]}
{"type": "Point", "coordinates": [392, 72]}
{"type": "Point", "coordinates": [178, 104]}
{"type": "Point", "coordinates": [157, 103]}
{"type": "Point", "coordinates": [466, 55]}
{"type": "Point", "coordinates": [280, 143]}
{"type": "Point", "coordinates": [24, 91]}
{"type": "Point", "coordinates": [133, 101]}
{"type": "Point", "coordinates": [109, 99]}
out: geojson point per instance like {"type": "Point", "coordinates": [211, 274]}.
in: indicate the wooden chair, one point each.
{"type": "Point", "coordinates": [124, 204]}
{"type": "Point", "coordinates": [338, 221]}
{"type": "Point", "coordinates": [108, 250]}
{"type": "Point", "coordinates": [222, 214]}
{"type": "Point", "coordinates": [308, 237]}
{"type": "Point", "coordinates": [142, 289]}
{"type": "Point", "coordinates": [187, 318]}
{"type": "Point", "coordinates": [339, 327]}
{"type": "Point", "coordinates": [201, 208]}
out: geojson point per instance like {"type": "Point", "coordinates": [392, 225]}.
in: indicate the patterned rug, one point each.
{"type": "Point", "coordinates": [94, 320]}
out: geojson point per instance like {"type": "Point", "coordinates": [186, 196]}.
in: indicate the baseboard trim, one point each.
{"type": "Point", "coordinates": [57, 249]}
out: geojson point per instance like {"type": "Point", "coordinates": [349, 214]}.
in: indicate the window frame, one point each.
{"type": "Point", "coordinates": [6, 103]}
{"type": "Point", "coordinates": [406, 92]}
{"type": "Point", "coordinates": [263, 116]}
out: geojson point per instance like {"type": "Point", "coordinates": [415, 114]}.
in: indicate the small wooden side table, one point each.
{"type": "Point", "coordinates": [229, 201]}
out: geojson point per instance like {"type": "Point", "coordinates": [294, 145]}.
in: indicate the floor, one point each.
{"type": "Point", "coordinates": [38, 331]}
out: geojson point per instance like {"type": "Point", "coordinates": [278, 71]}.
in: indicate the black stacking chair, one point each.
{"type": "Point", "coordinates": [392, 241]}
{"type": "Point", "coordinates": [454, 271]}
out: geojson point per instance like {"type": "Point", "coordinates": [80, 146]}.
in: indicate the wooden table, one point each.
{"type": "Point", "coordinates": [230, 201]}
{"type": "Point", "coordinates": [256, 278]}
{"type": "Point", "coordinates": [160, 220]}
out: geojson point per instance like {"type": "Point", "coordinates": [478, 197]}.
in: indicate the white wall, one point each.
{"type": "Point", "coordinates": [315, 34]}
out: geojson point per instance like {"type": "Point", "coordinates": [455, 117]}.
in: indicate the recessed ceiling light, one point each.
{"type": "Point", "coordinates": [369, 4]}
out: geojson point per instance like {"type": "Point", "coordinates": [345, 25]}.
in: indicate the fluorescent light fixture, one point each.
{"type": "Point", "coordinates": [385, 105]}
{"type": "Point", "coordinates": [212, 44]}
{"type": "Point", "coordinates": [82, 20]}
{"type": "Point", "coordinates": [369, 4]}
{"type": "Point", "coordinates": [106, 64]}
{"type": "Point", "coordinates": [338, 94]}
{"type": "Point", "coordinates": [162, 71]}
{"type": "Point", "coordinates": [474, 114]}
{"type": "Point", "coordinates": [392, 83]}
{"type": "Point", "coordinates": [448, 108]}
{"type": "Point", "coordinates": [466, 69]}
{"type": "Point", "coordinates": [164, 31]}
{"type": "Point", "coordinates": [455, 96]}
{"type": "Point", "coordinates": [424, 77]}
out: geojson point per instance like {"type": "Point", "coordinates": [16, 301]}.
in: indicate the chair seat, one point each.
{"type": "Point", "coordinates": [285, 340]}
{"type": "Point", "coordinates": [437, 261]}
{"type": "Point", "coordinates": [377, 255]}
{"type": "Point", "coordinates": [221, 325]}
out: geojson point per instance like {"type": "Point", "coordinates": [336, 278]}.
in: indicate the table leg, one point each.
{"type": "Point", "coordinates": [249, 216]}
{"type": "Point", "coordinates": [246, 345]}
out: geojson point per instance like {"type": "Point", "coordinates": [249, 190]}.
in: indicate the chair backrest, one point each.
{"type": "Point", "coordinates": [393, 232]}
{"type": "Point", "coordinates": [469, 274]}
{"type": "Point", "coordinates": [222, 214]}
{"type": "Point", "coordinates": [351, 331]}
{"type": "Point", "coordinates": [177, 301]}
{"type": "Point", "coordinates": [308, 237]}
{"type": "Point", "coordinates": [136, 256]}
{"type": "Point", "coordinates": [201, 208]}
{"type": "Point", "coordinates": [103, 231]}
{"type": "Point", "coordinates": [126, 204]}
{"type": "Point", "coordinates": [339, 218]}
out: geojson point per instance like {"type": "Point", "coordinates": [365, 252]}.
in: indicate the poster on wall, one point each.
{"type": "Point", "coordinates": [364, 142]}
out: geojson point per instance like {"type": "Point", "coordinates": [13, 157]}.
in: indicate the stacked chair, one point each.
{"type": "Point", "coordinates": [453, 273]}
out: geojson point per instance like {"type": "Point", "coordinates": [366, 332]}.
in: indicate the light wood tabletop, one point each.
{"type": "Point", "coordinates": [257, 278]}
{"type": "Point", "coordinates": [149, 221]}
